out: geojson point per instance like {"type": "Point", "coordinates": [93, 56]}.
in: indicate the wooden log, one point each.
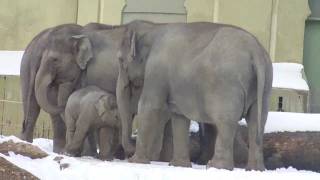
{"type": "Point", "coordinates": [9, 171]}
{"type": "Point", "coordinates": [300, 150]}
{"type": "Point", "coordinates": [24, 149]}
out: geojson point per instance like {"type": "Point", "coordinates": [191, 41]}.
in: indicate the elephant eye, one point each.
{"type": "Point", "coordinates": [54, 59]}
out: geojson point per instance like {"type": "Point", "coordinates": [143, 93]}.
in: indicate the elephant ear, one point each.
{"type": "Point", "coordinates": [83, 50]}
{"type": "Point", "coordinates": [105, 103]}
{"type": "Point", "coordinates": [127, 51]}
{"type": "Point", "coordinates": [101, 105]}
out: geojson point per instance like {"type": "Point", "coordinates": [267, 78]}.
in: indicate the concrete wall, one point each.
{"type": "Point", "coordinates": [278, 24]}
{"type": "Point", "coordinates": [21, 20]}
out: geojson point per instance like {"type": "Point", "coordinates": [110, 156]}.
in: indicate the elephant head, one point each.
{"type": "Point", "coordinates": [130, 81]}
{"type": "Point", "coordinates": [61, 66]}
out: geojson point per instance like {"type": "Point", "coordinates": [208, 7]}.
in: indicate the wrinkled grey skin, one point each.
{"type": "Point", "coordinates": [37, 52]}
{"type": "Point", "coordinates": [91, 109]}
{"type": "Point", "coordinates": [87, 59]}
{"type": "Point", "coordinates": [212, 73]}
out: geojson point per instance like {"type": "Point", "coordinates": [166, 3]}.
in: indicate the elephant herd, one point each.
{"type": "Point", "coordinates": [96, 80]}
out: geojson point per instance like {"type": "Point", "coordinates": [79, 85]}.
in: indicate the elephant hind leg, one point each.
{"type": "Point", "coordinates": [255, 155]}
{"type": "Point", "coordinates": [180, 126]}
{"type": "Point", "coordinates": [223, 152]}
{"type": "Point", "coordinates": [31, 110]}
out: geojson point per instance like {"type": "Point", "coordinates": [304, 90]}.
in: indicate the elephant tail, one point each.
{"type": "Point", "coordinates": [30, 63]}
{"type": "Point", "coordinates": [259, 60]}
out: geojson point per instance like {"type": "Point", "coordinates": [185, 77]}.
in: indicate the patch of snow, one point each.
{"type": "Point", "coordinates": [85, 168]}
{"type": "Point", "coordinates": [10, 62]}
{"type": "Point", "coordinates": [289, 76]}
{"type": "Point", "coordinates": [44, 144]}
{"type": "Point", "coordinates": [290, 122]}
{"type": "Point", "coordinates": [194, 126]}
{"type": "Point", "coordinates": [13, 138]}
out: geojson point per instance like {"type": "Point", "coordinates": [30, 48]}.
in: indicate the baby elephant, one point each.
{"type": "Point", "coordinates": [88, 110]}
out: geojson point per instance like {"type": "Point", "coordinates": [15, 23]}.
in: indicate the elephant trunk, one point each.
{"type": "Point", "coordinates": [42, 89]}
{"type": "Point", "coordinates": [125, 112]}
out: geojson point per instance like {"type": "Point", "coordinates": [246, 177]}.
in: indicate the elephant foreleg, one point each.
{"type": "Point", "coordinates": [106, 143]}
{"type": "Point", "coordinates": [83, 124]}
{"type": "Point", "coordinates": [59, 133]}
{"type": "Point", "coordinates": [150, 135]}
{"type": "Point", "coordinates": [90, 144]}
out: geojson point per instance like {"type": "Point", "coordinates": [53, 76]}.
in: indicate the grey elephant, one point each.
{"type": "Point", "coordinates": [91, 109]}
{"type": "Point", "coordinates": [61, 81]}
{"type": "Point", "coordinates": [30, 63]}
{"type": "Point", "coordinates": [209, 72]}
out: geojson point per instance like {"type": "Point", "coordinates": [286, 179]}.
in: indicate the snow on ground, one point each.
{"type": "Point", "coordinates": [289, 75]}
{"type": "Point", "coordinates": [86, 168]}
{"type": "Point", "coordinates": [10, 62]}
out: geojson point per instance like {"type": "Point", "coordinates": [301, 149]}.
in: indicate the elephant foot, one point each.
{"type": "Point", "coordinates": [105, 158]}
{"type": "Point", "coordinates": [58, 150]}
{"type": "Point", "coordinates": [182, 163]}
{"type": "Point", "coordinates": [73, 152]}
{"type": "Point", "coordinates": [137, 159]}
{"type": "Point", "coordinates": [26, 137]}
{"type": "Point", "coordinates": [58, 146]}
{"type": "Point", "coordinates": [130, 149]}
{"type": "Point", "coordinates": [255, 167]}
{"type": "Point", "coordinates": [220, 164]}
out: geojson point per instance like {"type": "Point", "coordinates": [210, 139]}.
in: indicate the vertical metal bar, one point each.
{"type": "Point", "coordinates": [273, 30]}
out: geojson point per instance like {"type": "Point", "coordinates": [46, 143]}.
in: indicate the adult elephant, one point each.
{"type": "Point", "coordinates": [35, 53]}
{"type": "Point", "coordinates": [70, 62]}
{"type": "Point", "coordinates": [30, 63]}
{"type": "Point", "coordinates": [209, 72]}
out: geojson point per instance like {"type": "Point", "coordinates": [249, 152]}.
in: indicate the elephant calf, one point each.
{"type": "Point", "coordinates": [91, 109]}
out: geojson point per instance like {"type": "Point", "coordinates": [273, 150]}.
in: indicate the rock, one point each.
{"type": "Point", "coordinates": [9, 171]}
{"type": "Point", "coordinates": [24, 149]}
